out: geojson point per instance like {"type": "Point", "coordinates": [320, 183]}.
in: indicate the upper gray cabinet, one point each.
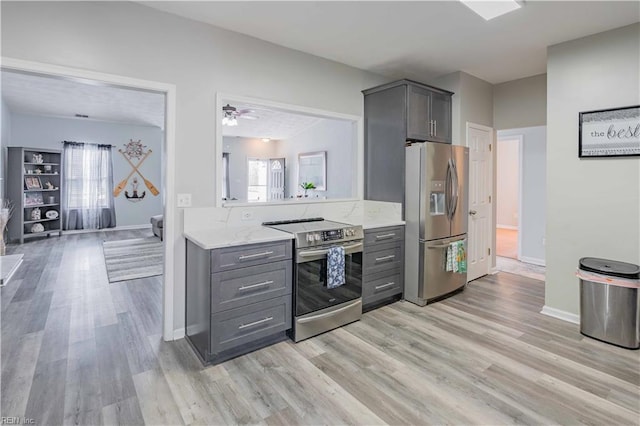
{"type": "Point", "coordinates": [428, 114]}
{"type": "Point", "coordinates": [394, 113]}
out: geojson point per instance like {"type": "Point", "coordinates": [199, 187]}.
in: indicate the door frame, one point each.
{"type": "Point", "coordinates": [492, 183]}
{"type": "Point", "coordinates": [520, 141]}
{"type": "Point", "coordinates": [171, 234]}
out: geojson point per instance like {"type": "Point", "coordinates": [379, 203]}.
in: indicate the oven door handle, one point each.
{"type": "Point", "coordinates": [313, 253]}
{"type": "Point", "coordinates": [328, 314]}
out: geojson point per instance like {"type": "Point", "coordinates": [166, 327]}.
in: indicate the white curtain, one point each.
{"type": "Point", "coordinates": [87, 201]}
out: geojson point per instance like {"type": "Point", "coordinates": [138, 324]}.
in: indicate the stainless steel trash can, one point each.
{"type": "Point", "coordinates": [610, 301]}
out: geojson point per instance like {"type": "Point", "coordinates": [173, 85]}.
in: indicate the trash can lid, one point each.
{"type": "Point", "coordinates": [610, 267]}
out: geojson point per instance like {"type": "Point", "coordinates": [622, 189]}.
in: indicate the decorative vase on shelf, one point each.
{"type": "Point", "coordinates": [36, 214]}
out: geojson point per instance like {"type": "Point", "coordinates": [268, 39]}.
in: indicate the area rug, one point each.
{"type": "Point", "coordinates": [514, 266]}
{"type": "Point", "coordinates": [132, 259]}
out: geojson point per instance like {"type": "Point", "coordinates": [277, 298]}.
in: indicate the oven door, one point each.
{"type": "Point", "coordinates": [311, 292]}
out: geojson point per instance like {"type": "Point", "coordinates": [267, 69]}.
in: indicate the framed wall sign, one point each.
{"type": "Point", "coordinates": [610, 133]}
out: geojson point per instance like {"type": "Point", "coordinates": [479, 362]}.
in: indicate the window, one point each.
{"type": "Point", "coordinates": [87, 178]}
{"type": "Point", "coordinates": [87, 200]}
{"type": "Point", "coordinates": [258, 179]}
{"type": "Point", "coordinates": [225, 176]}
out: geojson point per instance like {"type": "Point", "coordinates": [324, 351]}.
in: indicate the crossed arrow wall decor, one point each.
{"type": "Point", "coordinates": [135, 149]}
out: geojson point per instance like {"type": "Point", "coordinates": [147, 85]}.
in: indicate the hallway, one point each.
{"type": "Point", "coordinates": [507, 243]}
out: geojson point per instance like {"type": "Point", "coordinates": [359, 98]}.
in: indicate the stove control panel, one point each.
{"type": "Point", "coordinates": [334, 234]}
{"type": "Point", "coordinates": [313, 238]}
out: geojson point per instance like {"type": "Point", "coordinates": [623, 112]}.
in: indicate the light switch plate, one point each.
{"type": "Point", "coordinates": [184, 200]}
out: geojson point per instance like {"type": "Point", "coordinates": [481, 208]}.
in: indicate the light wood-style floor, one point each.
{"type": "Point", "coordinates": [507, 243]}
{"type": "Point", "coordinates": [77, 350]}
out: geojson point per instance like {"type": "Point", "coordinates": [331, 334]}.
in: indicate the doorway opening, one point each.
{"type": "Point", "coordinates": [508, 191]}
{"type": "Point", "coordinates": [520, 169]}
{"type": "Point", "coordinates": [167, 195]}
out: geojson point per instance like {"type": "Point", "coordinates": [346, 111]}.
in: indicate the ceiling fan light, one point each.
{"type": "Point", "coordinates": [232, 122]}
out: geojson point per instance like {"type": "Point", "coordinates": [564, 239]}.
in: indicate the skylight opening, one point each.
{"type": "Point", "coordinates": [489, 9]}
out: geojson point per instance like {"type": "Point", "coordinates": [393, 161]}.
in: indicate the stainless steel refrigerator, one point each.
{"type": "Point", "coordinates": [436, 204]}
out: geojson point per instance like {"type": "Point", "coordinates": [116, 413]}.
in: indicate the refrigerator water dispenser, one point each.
{"type": "Point", "coordinates": [437, 198]}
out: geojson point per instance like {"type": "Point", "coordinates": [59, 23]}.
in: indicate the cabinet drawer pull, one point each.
{"type": "Point", "coordinates": [254, 256]}
{"type": "Point", "coordinates": [384, 258]}
{"type": "Point", "coordinates": [385, 236]}
{"type": "Point", "coordinates": [249, 287]}
{"type": "Point", "coordinates": [251, 324]}
{"type": "Point", "coordinates": [381, 286]}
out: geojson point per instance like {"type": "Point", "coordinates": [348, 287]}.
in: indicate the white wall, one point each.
{"type": "Point", "coordinates": [593, 205]}
{"type": "Point", "coordinates": [240, 149]}
{"type": "Point", "coordinates": [5, 136]}
{"type": "Point", "coordinates": [534, 190]}
{"type": "Point", "coordinates": [132, 40]}
{"type": "Point", "coordinates": [338, 139]}
{"type": "Point", "coordinates": [472, 102]}
{"type": "Point", "coordinates": [507, 176]}
{"type": "Point", "coordinates": [520, 103]}
{"type": "Point", "coordinates": [35, 131]}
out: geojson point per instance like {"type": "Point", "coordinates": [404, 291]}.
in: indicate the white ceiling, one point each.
{"type": "Point", "coordinates": [271, 123]}
{"type": "Point", "coordinates": [420, 40]}
{"type": "Point", "coordinates": [49, 96]}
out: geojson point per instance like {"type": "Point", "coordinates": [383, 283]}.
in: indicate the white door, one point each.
{"type": "Point", "coordinates": [479, 140]}
{"type": "Point", "coordinates": [276, 179]}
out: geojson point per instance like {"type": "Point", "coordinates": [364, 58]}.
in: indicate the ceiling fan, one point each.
{"type": "Point", "coordinates": [231, 114]}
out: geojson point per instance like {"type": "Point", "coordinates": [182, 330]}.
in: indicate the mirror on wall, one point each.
{"type": "Point", "coordinates": [268, 153]}
{"type": "Point", "coordinates": [312, 170]}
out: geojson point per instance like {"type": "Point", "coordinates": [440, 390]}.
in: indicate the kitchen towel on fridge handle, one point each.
{"type": "Point", "coordinates": [456, 257]}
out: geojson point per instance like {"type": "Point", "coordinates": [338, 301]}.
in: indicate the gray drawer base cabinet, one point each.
{"type": "Point", "coordinates": [238, 298]}
{"type": "Point", "coordinates": [383, 270]}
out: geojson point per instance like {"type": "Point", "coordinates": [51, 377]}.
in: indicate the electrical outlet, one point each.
{"type": "Point", "coordinates": [247, 215]}
{"type": "Point", "coordinates": [184, 200]}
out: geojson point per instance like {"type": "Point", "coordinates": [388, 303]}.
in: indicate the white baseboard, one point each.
{"type": "Point", "coordinates": [117, 228]}
{"type": "Point", "coordinates": [563, 315]}
{"type": "Point", "coordinates": [494, 270]}
{"type": "Point", "coordinates": [514, 228]}
{"type": "Point", "coordinates": [533, 260]}
{"type": "Point", "coordinates": [127, 227]}
{"type": "Point", "coordinates": [178, 333]}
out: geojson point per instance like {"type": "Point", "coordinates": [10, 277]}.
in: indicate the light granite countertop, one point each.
{"type": "Point", "coordinates": [377, 223]}
{"type": "Point", "coordinates": [240, 235]}
{"type": "Point", "coordinates": [235, 236]}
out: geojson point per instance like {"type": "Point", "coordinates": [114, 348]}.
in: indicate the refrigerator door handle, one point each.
{"type": "Point", "coordinates": [447, 190]}
{"type": "Point", "coordinates": [455, 189]}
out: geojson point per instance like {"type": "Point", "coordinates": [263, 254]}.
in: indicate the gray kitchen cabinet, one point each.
{"type": "Point", "coordinates": [238, 299]}
{"type": "Point", "coordinates": [395, 113]}
{"type": "Point", "coordinates": [383, 266]}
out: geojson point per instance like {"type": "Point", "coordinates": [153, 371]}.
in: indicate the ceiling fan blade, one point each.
{"type": "Point", "coordinates": [248, 117]}
{"type": "Point", "coordinates": [246, 111]}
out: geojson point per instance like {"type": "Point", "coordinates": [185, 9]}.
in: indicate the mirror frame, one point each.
{"type": "Point", "coordinates": [357, 183]}
{"type": "Point", "coordinates": [321, 154]}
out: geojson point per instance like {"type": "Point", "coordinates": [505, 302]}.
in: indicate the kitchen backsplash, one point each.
{"type": "Point", "coordinates": [354, 212]}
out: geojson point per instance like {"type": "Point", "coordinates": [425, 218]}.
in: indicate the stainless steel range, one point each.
{"type": "Point", "coordinates": [316, 308]}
